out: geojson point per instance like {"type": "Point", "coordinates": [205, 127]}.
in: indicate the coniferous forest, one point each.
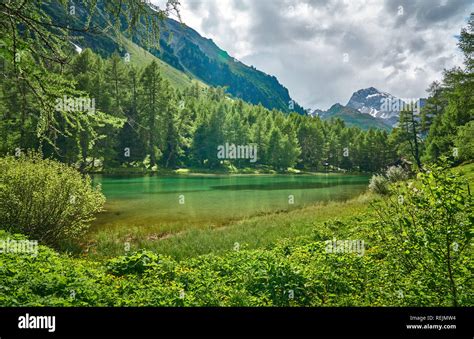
{"type": "Point", "coordinates": [140, 121]}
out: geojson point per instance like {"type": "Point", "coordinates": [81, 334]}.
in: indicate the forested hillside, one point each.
{"type": "Point", "coordinates": [184, 50]}
{"type": "Point", "coordinates": [353, 117]}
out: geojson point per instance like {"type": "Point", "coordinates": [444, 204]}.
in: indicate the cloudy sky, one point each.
{"type": "Point", "coordinates": [324, 50]}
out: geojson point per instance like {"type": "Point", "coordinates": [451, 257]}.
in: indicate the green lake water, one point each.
{"type": "Point", "coordinates": [156, 201]}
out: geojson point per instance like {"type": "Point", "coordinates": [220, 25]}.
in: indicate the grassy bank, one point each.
{"type": "Point", "coordinates": [286, 275]}
{"type": "Point", "coordinates": [251, 233]}
{"type": "Point", "coordinates": [466, 170]}
{"type": "Point", "coordinates": [281, 261]}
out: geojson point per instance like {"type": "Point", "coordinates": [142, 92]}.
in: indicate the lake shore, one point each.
{"type": "Point", "coordinates": [153, 211]}
{"type": "Point", "coordinates": [229, 170]}
{"type": "Point", "coordinates": [260, 231]}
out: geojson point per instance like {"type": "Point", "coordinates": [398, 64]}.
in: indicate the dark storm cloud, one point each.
{"type": "Point", "coordinates": [268, 24]}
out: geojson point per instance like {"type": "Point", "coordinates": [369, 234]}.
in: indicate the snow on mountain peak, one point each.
{"type": "Point", "coordinates": [370, 101]}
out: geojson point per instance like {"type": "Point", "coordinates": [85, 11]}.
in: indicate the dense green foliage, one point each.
{"type": "Point", "coordinates": [34, 51]}
{"type": "Point", "coordinates": [465, 141]}
{"type": "Point", "coordinates": [428, 228]}
{"type": "Point", "coordinates": [47, 200]}
{"type": "Point", "coordinates": [415, 266]}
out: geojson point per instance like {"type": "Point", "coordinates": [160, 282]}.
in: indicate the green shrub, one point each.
{"type": "Point", "coordinates": [46, 200]}
{"type": "Point", "coordinates": [134, 263]}
{"type": "Point", "coordinates": [396, 174]}
{"type": "Point", "coordinates": [427, 233]}
{"type": "Point", "coordinates": [379, 184]}
{"type": "Point", "coordinates": [465, 141]}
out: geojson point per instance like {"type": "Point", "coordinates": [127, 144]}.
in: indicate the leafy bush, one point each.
{"type": "Point", "coordinates": [379, 184]}
{"type": "Point", "coordinates": [465, 141]}
{"type": "Point", "coordinates": [396, 174]}
{"type": "Point", "coordinates": [427, 233]}
{"type": "Point", "coordinates": [134, 263]}
{"type": "Point", "coordinates": [46, 200]}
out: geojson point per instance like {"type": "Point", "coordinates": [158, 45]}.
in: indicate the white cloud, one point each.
{"type": "Point", "coordinates": [302, 42]}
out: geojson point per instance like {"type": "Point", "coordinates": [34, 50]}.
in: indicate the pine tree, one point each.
{"type": "Point", "coordinates": [407, 136]}
{"type": "Point", "coordinates": [151, 86]}
{"type": "Point", "coordinates": [311, 140]}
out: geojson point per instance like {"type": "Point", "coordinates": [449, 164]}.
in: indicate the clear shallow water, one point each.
{"type": "Point", "coordinates": [155, 201]}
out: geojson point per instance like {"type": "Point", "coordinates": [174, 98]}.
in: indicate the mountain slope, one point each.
{"type": "Point", "coordinates": [106, 44]}
{"type": "Point", "coordinates": [141, 57]}
{"type": "Point", "coordinates": [185, 56]}
{"type": "Point", "coordinates": [183, 48]}
{"type": "Point", "coordinates": [352, 117]}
